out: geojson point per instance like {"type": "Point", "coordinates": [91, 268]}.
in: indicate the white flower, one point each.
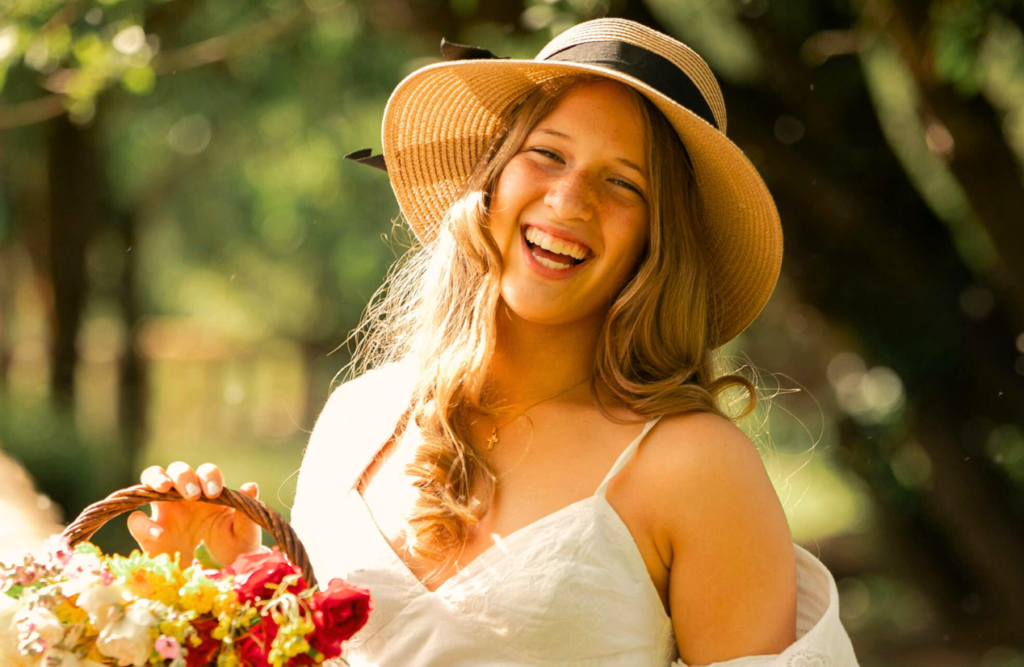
{"type": "Point", "coordinates": [128, 639]}
{"type": "Point", "coordinates": [84, 569]}
{"type": "Point", "coordinates": [101, 601]}
{"type": "Point", "coordinates": [76, 586]}
{"type": "Point", "coordinates": [10, 656]}
{"type": "Point", "coordinates": [38, 628]}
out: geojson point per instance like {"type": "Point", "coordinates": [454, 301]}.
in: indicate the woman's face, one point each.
{"type": "Point", "coordinates": [569, 211]}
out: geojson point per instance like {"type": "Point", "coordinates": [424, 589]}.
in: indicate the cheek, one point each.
{"type": "Point", "coordinates": [502, 209]}
{"type": "Point", "coordinates": [631, 241]}
{"type": "Point", "coordinates": [513, 182]}
{"type": "Point", "coordinates": [631, 231]}
{"type": "Point", "coordinates": [517, 187]}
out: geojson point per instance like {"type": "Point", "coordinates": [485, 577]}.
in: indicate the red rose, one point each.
{"type": "Point", "coordinates": [254, 571]}
{"type": "Point", "coordinates": [254, 646]}
{"type": "Point", "coordinates": [202, 655]}
{"type": "Point", "coordinates": [338, 613]}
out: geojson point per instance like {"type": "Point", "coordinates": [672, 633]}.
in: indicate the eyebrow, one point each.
{"type": "Point", "coordinates": [623, 160]}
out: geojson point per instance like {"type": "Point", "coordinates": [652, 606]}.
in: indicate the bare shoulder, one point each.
{"type": "Point", "coordinates": [732, 579]}
{"type": "Point", "coordinates": [704, 455]}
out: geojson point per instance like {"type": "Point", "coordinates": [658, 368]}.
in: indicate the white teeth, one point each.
{"type": "Point", "coordinates": [555, 244]}
{"type": "Point", "coordinates": [544, 261]}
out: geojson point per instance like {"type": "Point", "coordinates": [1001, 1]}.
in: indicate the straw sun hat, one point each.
{"type": "Point", "coordinates": [442, 117]}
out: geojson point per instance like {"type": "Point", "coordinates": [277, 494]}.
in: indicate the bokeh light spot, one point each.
{"type": "Point", "coordinates": [190, 135]}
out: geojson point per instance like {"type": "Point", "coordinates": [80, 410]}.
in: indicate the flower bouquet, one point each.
{"type": "Point", "coordinates": [76, 607]}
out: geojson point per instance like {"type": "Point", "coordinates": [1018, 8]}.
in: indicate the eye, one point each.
{"type": "Point", "coordinates": [628, 186]}
{"type": "Point", "coordinates": [551, 155]}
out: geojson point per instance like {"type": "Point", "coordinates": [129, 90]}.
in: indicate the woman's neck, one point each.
{"type": "Point", "coordinates": [536, 360]}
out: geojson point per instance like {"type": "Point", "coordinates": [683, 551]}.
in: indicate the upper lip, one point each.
{"type": "Point", "coordinates": [564, 235]}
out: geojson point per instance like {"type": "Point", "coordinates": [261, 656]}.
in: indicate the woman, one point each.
{"type": "Point", "coordinates": [589, 239]}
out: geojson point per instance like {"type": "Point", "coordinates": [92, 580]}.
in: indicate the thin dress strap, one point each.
{"type": "Point", "coordinates": [625, 456]}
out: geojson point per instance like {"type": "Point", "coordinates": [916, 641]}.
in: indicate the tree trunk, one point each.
{"type": "Point", "coordinates": [133, 389]}
{"type": "Point", "coordinates": [74, 213]}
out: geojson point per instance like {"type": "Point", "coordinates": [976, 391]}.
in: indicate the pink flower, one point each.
{"type": "Point", "coordinates": [57, 549]}
{"type": "Point", "coordinates": [167, 647]}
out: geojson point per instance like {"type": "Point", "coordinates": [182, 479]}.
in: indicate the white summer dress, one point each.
{"type": "Point", "coordinates": [568, 589]}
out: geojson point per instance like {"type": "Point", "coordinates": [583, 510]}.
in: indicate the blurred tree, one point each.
{"type": "Point", "coordinates": [80, 52]}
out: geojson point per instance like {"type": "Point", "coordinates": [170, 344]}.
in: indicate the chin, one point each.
{"type": "Point", "coordinates": [542, 301]}
{"type": "Point", "coordinates": [536, 310]}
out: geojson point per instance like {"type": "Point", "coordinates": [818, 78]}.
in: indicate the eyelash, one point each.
{"type": "Point", "coordinates": [553, 156]}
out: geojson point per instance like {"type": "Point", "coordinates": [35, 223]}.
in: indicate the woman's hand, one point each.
{"type": "Point", "coordinates": [181, 526]}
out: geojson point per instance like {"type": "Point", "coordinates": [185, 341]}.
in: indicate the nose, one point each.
{"type": "Point", "coordinates": [571, 195]}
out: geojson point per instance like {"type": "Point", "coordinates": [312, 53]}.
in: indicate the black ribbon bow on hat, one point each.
{"type": "Point", "coordinates": [365, 156]}
{"type": "Point", "coordinates": [453, 51]}
{"type": "Point", "coordinates": [449, 51]}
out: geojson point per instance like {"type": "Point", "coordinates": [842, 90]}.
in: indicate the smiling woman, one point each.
{"type": "Point", "coordinates": [536, 464]}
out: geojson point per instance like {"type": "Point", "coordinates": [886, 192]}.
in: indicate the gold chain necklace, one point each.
{"type": "Point", "coordinates": [493, 440]}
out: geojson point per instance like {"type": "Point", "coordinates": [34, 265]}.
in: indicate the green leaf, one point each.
{"type": "Point", "coordinates": [88, 548]}
{"type": "Point", "coordinates": [162, 564]}
{"type": "Point", "coordinates": [205, 558]}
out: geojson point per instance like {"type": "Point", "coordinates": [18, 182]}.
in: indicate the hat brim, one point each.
{"type": "Point", "coordinates": [441, 118]}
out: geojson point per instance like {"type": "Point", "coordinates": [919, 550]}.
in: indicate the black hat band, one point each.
{"type": "Point", "coordinates": [657, 72]}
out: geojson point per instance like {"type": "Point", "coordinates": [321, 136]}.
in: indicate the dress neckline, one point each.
{"type": "Point", "coordinates": [502, 545]}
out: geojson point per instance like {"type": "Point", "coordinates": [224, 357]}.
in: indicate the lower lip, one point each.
{"type": "Point", "coordinates": [544, 271]}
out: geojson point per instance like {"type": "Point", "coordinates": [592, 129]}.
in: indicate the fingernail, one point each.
{"type": "Point", "coordinates": [192, 489]}
{"type": "Point", "coordinates": [155, 532]}
{"type": "Point", "coordinates": [211, 488]}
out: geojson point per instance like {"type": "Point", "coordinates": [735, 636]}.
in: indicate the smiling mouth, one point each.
{"type": "Point", "coordinates": [553, 252]}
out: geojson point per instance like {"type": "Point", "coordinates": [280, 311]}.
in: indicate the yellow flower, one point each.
{"type": "Point", "coordinates": [198, 596]}
{"type": "Point", "coordinates": [155, 585]}
{"type": "Point", "coordinates": [70, 614]}
{"type": "Point", "coordinates": [175, 627]}
{"type": "Point", "coordinates": [226, 602]}
{"type": "Point", "coordinates": [228, 658]}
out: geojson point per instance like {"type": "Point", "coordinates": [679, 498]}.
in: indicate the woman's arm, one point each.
{"type": "Point", "coordinates": [358, 418]}
{"type": "Point", "coordinates": [732, 582]}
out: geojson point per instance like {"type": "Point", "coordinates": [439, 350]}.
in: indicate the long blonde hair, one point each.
{"type": "Point", "coordinates": [439, 305]}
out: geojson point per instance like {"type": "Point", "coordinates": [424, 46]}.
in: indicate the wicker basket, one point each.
{"type": "Point", "coordinates": [94, 516]}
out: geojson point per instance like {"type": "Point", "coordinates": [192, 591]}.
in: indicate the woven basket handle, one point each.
{"type": "Point", "coordinates": [94, 516]}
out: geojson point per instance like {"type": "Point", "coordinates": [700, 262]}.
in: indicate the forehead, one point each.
{"type": "Point", "coordinates": [605, 112]}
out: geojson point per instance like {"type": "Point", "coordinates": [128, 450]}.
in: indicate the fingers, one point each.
{"type": "Point", "coordinates": [243, 526]}
{"type": "Point", "coordinates": [186, 482]}
{"type": "Point", "coordinates": [145, 531]}
{"type": "Point", "coordinates": [211, 479]}
{"type": "Point", "coordinates": [156, 479]}
{"type": "Point", "coordinates": [206, 480]}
